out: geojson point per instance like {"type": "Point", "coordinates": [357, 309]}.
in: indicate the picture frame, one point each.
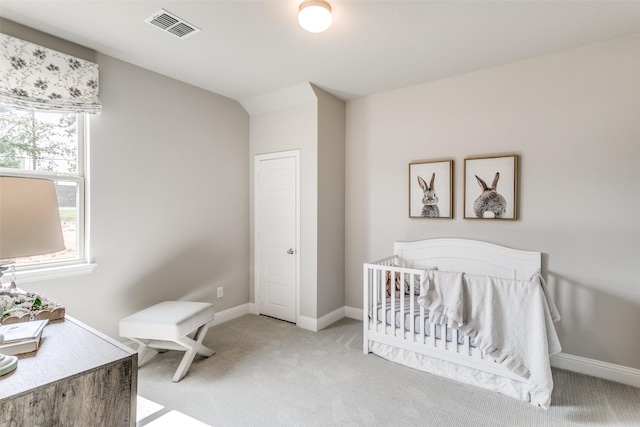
{"type": "Point", "coordinates": [431, 189]}
{"type": "Point", "coordinates": [491, 187]}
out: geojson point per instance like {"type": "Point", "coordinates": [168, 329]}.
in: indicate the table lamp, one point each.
{"type": "Point", "coordinates": [29, 225]}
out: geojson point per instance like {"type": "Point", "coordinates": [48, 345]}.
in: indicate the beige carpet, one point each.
{"type": "Point", "coordinates": [271, 373]}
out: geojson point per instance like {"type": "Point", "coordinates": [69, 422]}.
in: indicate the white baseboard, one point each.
{"type": "Point", "coordinates": [330, 318]}
{"type": "Point", "coordinates": [231, 313]}
{"type": "Point", "coordinates": [308, 323]}
{"type": "Point", "coordinates": [581, 365]}
{"type": "Point", "coordinates": [596, 368]}
{"type": "Point", "coordinates": [315, 325]}
{"type": "Point", "coordinates": [353, 313]}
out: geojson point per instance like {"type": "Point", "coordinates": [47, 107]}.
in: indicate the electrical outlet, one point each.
{"type": "Point", "coordinates": [220, 292]}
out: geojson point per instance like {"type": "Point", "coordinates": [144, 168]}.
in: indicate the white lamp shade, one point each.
{"type": "Point", "coordinates": [315, 16]}
{"type": "Point", "coordinates": [29, 217]}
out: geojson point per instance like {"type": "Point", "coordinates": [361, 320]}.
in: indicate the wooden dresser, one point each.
{"type": "Point", "coordinates": [78, 377]}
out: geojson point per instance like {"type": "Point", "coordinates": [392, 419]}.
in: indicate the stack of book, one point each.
{"type": "Point", "coordinates": [21, 337]}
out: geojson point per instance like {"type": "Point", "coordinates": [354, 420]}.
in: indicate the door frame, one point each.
{"type": "Point", "coordinates": [256, 228]}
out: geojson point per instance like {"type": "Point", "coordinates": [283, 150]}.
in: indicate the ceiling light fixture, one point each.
{"type": "Point", "coordinates": [315, 15]}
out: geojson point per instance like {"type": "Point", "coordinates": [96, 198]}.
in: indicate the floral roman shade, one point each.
{"type": "Point", "coordinates": [35, 78]}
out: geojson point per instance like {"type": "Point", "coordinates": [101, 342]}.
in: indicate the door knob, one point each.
{"type": "Point", "coordinates": [290, 251]}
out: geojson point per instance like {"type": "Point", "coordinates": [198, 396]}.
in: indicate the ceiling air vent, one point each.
{"type": "Point", "coordinates": [172, 24]}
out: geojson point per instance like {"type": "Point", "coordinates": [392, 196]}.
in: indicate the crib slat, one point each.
{"type": "Point", "coordinates": [380, 289]}
{"type": "Point", "coordinates": [375, 293]}
{"type": "Point", "coordinates": [432, 331]}
{"type": "Point", "coordinates": [467, 346]}
{"type": "Point", "coordinates": [402, 304]}
{"type": "Point", "coordinates": [447, 344]}
{"type": "Point", "coordinates": [411, 310]}
{"type": "Point", "coordinates": [445, 335]}
{"type": "Point", "coordinates": [392, 310]}
{"type": "Point", "coordinates": [421, 326]}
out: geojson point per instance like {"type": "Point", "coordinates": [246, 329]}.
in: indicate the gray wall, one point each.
{"type": "Point", "coordinates": [573, 118]}
{"type": "Point", "coordinates": [169, 196]}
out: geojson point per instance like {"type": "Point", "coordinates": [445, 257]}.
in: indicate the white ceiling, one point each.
{"type": "Point", "coordinates": [249, 48]}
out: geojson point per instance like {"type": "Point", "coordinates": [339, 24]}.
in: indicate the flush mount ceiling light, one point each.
{"type": "Point", "coordinates": [315, 15]}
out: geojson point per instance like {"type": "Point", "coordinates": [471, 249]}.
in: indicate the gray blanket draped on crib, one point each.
{"type": "Point", "coordinates": [509, 320]}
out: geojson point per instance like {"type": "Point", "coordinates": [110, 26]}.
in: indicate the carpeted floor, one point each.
{"type": "Point", "coordinates": [271, 373]}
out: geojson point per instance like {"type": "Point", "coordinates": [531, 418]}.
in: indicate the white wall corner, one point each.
{"type": "Point", "coordinates": [253, 308]}
{"type": "Point", "coordinates": [330, 318]}
{"type": "Point", "coordinates": [294, 95]}
{"type": "Point", "coordinates": [353, 313]}
{"type": "Point", "coordinates": [308, 323]}
{"type": "Point", "coordinates": [316, 325]}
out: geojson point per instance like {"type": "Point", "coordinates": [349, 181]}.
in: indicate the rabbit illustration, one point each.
{"type": "Point", "coordinates": [489, 200]}
{"type": "Point", "coordinates": [429, 200]}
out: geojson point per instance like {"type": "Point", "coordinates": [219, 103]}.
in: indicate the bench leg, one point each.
{"type": "Point", "coordinates": [192, 347]}
{"type": "Point", "coordinates": [142, 349]}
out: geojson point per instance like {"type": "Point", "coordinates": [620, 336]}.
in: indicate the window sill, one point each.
{"type": "Point", "coordinates": [37, 275]}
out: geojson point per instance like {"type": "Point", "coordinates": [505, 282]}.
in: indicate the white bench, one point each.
{"type": "Point", "coordinates": [166, 326]}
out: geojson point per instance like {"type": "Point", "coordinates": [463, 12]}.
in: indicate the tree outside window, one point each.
{"type": "Point", "coordinates": [38, 141]}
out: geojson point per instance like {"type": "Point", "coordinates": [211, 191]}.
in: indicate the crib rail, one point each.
{"type": "Point", "coordinates": [399, 321]}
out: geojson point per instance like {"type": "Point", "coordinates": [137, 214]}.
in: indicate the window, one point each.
{"type": "Point", "coordinates": [50, 145]}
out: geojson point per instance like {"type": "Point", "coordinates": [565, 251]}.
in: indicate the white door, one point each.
{"type": "Point", "coordinates": [276, 235]}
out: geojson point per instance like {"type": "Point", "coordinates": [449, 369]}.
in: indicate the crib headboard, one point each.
{"type": "Point", "coordinates": [469, 256]}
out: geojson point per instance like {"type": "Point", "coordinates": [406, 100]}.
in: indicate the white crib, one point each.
{"type": "Point", "coordinates": [397, 328]}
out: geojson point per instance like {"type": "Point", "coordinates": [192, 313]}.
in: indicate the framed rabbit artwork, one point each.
{"type": "Point", "coordinates": [431, 189]}
{"type": "Point", "coordinates": [490, 187]}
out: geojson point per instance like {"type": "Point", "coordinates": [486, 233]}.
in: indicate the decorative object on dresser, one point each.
{"type": "Point", "coordinates": [29, 307]}
{"type": "Point", "coordinates": [484, 315]}
{"type": "Point", "coordinates": [431, 189]}
{"type": "Point", "coordinates": [491, 187]}
{"type": "Point", "coordinates": [22, 337]}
